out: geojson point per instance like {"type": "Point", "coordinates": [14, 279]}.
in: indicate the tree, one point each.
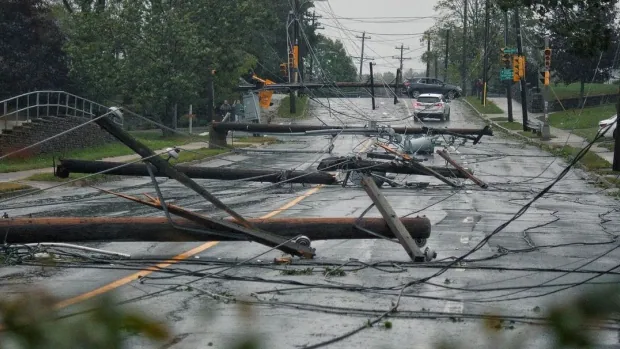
{"type": "Point", "coordinates": [581, 55]}
{"type": "Point", "coordinates": [31, 45]}
{"type": "Point", "coordinates": [333, 62]}
{"type": "Point", "coordinates": [158, 55]}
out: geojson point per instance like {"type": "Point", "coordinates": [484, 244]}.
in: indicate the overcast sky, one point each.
{"type": "Point", "coordinates": [377, 16]}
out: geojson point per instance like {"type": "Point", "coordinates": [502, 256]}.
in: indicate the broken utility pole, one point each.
{"type": "Point", "coordinates": [396, 226]}
{"type": "Point", "coordinates": [272, 128]}
{"type": "Point", "coordinates": [444, 154]}
{"type": "Point", "coordinates": [125, 229]}
{"type": "Point", "coordinates": [164, 167]}
{"type": "Point", "coordinates": [355, 164]}
{"type": "Point", "coordinates": [68, 166]}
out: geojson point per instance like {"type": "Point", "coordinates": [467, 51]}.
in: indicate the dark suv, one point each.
{"type": "Point", "coordinates": [418, 86]}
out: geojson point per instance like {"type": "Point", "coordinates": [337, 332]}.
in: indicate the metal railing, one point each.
{"type": "Point", "coordinates": [24, 108]}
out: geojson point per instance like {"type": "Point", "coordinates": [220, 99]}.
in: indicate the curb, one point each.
{"type": "Point", "coordinates": [588, 174]}
{"type": "Point", "coordinates": [495, 124]}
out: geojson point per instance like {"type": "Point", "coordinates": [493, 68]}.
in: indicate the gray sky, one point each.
{"type": "Point", "coordinates": [356, 16]}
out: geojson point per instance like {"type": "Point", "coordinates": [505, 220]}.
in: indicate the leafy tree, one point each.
{"type": "Point", "coordinates": [31, 45]}
{"type": "Point", "coordinates": [333, 62]}
{"type": "Point", "coordinates": [584, 40]}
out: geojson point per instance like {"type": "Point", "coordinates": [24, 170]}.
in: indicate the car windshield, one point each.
{"type": "Point", "coordinates": [428, 99]}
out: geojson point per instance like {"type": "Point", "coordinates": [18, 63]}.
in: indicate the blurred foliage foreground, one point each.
{"type": "Point", "coordinates": [31, 320]}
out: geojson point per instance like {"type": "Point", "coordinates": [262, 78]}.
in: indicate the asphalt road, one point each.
{"type": "Point", "coordinates": [574, 224]}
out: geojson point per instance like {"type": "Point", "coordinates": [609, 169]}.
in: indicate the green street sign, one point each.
{"type": "Point", "coordinates": [505, 74]}
{"type": "Point", "coordinates": [510, 50]}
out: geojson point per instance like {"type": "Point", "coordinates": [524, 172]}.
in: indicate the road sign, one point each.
{"type": "Point", "coordinates": [505, 74]}
{"type": "Point", "coordinates": [510, 50]}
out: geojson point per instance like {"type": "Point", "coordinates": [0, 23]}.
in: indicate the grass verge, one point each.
{"type": "Point", "coordinates": [515, 126]}
{"type": "Point", "coordinates": [8, 187]}
{"type": "Point", "coordinates": [588, 118]}
{"type": "Point", "coordinates": [152, 139]}
{"type": "Point", "coordinates": [301, 104]}
{"type": "Point", "coordinates": [184, 156]}
{"type": "Point", "coordinates": [573, 90]}
{"type": "Point", "coordinates": [591, 161]}
{"type": "Point", "coordinates": [489, 108]}
{"type": "Point", "coordinates": [268, 140]}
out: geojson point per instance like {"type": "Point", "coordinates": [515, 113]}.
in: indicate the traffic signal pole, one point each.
{"type": "Point", "coordinates": [522, 78]}
{"type": "Point", "coordinates": [508, 83]}
{"type": "Point", "coordinates": [545, 136]}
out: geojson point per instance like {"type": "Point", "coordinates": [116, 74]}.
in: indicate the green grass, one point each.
{"type": "Point", "coordinates": [301, 104]}
{"type": "Point", "coordinates": [152, 139]}
{"type": "Point", "coordinates": [256, 140]}
{"type": "Point", "coordinates": [591, 161]}
{"type": "Point", "coordinates": [572, 91]}
{"type": "Point", "coordinates": [8, 187]}
{"type": "Point", "coordinates": [184, 156]}
{"type": "Point", "coordinates": [489, 108]}
{"type": "Point", "coordinates": [578, 119]}
{"type": "Point", "coordinates": [511, 125]}
{"type": "Point", "coordinates": [498, 119]}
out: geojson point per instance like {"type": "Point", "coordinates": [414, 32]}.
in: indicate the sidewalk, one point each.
{"type": "Point", "coordinates": [560, 137]}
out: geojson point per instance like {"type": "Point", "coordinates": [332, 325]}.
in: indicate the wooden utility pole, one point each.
{"type": "Point", "coordinates": [372, 85]}
{"type": "Point", "coordinates": [428, 56]}
{"type": "Point", "coordinates": [445, 63]}
{"type": "Point", "coordinates": [486, 53]}
{"type": "Point", "coordinates": [315, 26]}
{"type": "Point", "coordinates": [464, 58]}
{"type": "Point", "coordinates": [363, 37]}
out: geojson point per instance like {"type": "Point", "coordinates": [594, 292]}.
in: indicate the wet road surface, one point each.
{"type": "Point", "coordinates": [574, 224]}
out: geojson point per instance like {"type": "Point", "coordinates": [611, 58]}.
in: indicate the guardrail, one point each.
{"type": "Point", "coordinates": [23, 108]}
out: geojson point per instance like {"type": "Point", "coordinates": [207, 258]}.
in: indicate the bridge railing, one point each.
{"type": "Point", "coordinates": [28, 106]}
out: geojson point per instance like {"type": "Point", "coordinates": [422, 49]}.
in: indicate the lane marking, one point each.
{"type": "Point", "coordinates": [130, 278]}
{"type": "Point", "coordinates": [292, 202]}
{"type": "Point", "coordinates": [127, 279]}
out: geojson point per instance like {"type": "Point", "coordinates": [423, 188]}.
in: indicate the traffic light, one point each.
{"type": "Point", "coordinates": [515, 68]}
{"type": "Point", "coordinates": [284, 69]}
{"type": "Point", "coordinates": [522, 67]}
{"type": "Point", "coordinates": [545, 77]}
{"type": "Point", "coordinates": [547, 59]}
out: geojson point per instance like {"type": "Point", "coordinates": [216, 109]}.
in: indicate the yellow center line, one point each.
{"type": "Point", "coordinates": [127, 279]}
{"type": "Point", "coordinates": [142, 273]}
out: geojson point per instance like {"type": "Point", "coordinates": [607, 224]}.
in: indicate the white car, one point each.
{"type": "Point", "coordinates": [603, 124]}
{"type": "Point", "coordinates": [431, 105]}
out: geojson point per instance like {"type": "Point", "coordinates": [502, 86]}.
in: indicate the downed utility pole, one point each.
{"type": "Point", "coordinates": [394, 222]}
{"type": "Point", "coordinates": [423, 169]}
{"type": "Point", "coordinates": [270, 128]}
{"type": "Point", "coordinates": [68, 166]}
{"type": "Point", "coordinates": [126, 229]}
{"type": "Point", "coordinates": [243, 226]}
{"type": "Point", "coordinates": [219, 130]}
{"type": "Point", "coordinates": [444, 154]}
{"type": "Point", "coordinates": [355, 164]}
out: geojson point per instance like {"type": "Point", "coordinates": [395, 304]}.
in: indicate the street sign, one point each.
{"type": "Point", "coordinates": [509, 50]}
{"type": "Point", "coordinates": [505, 74]}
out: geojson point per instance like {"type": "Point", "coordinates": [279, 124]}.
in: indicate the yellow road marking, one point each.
{"type": "Point", "coordinates": [127, 279]}
{"type": "Point", "coordinates": [292, 202]}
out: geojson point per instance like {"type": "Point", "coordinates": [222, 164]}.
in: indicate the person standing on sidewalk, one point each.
{"type": "Point", "coordinates": [225, 109]}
